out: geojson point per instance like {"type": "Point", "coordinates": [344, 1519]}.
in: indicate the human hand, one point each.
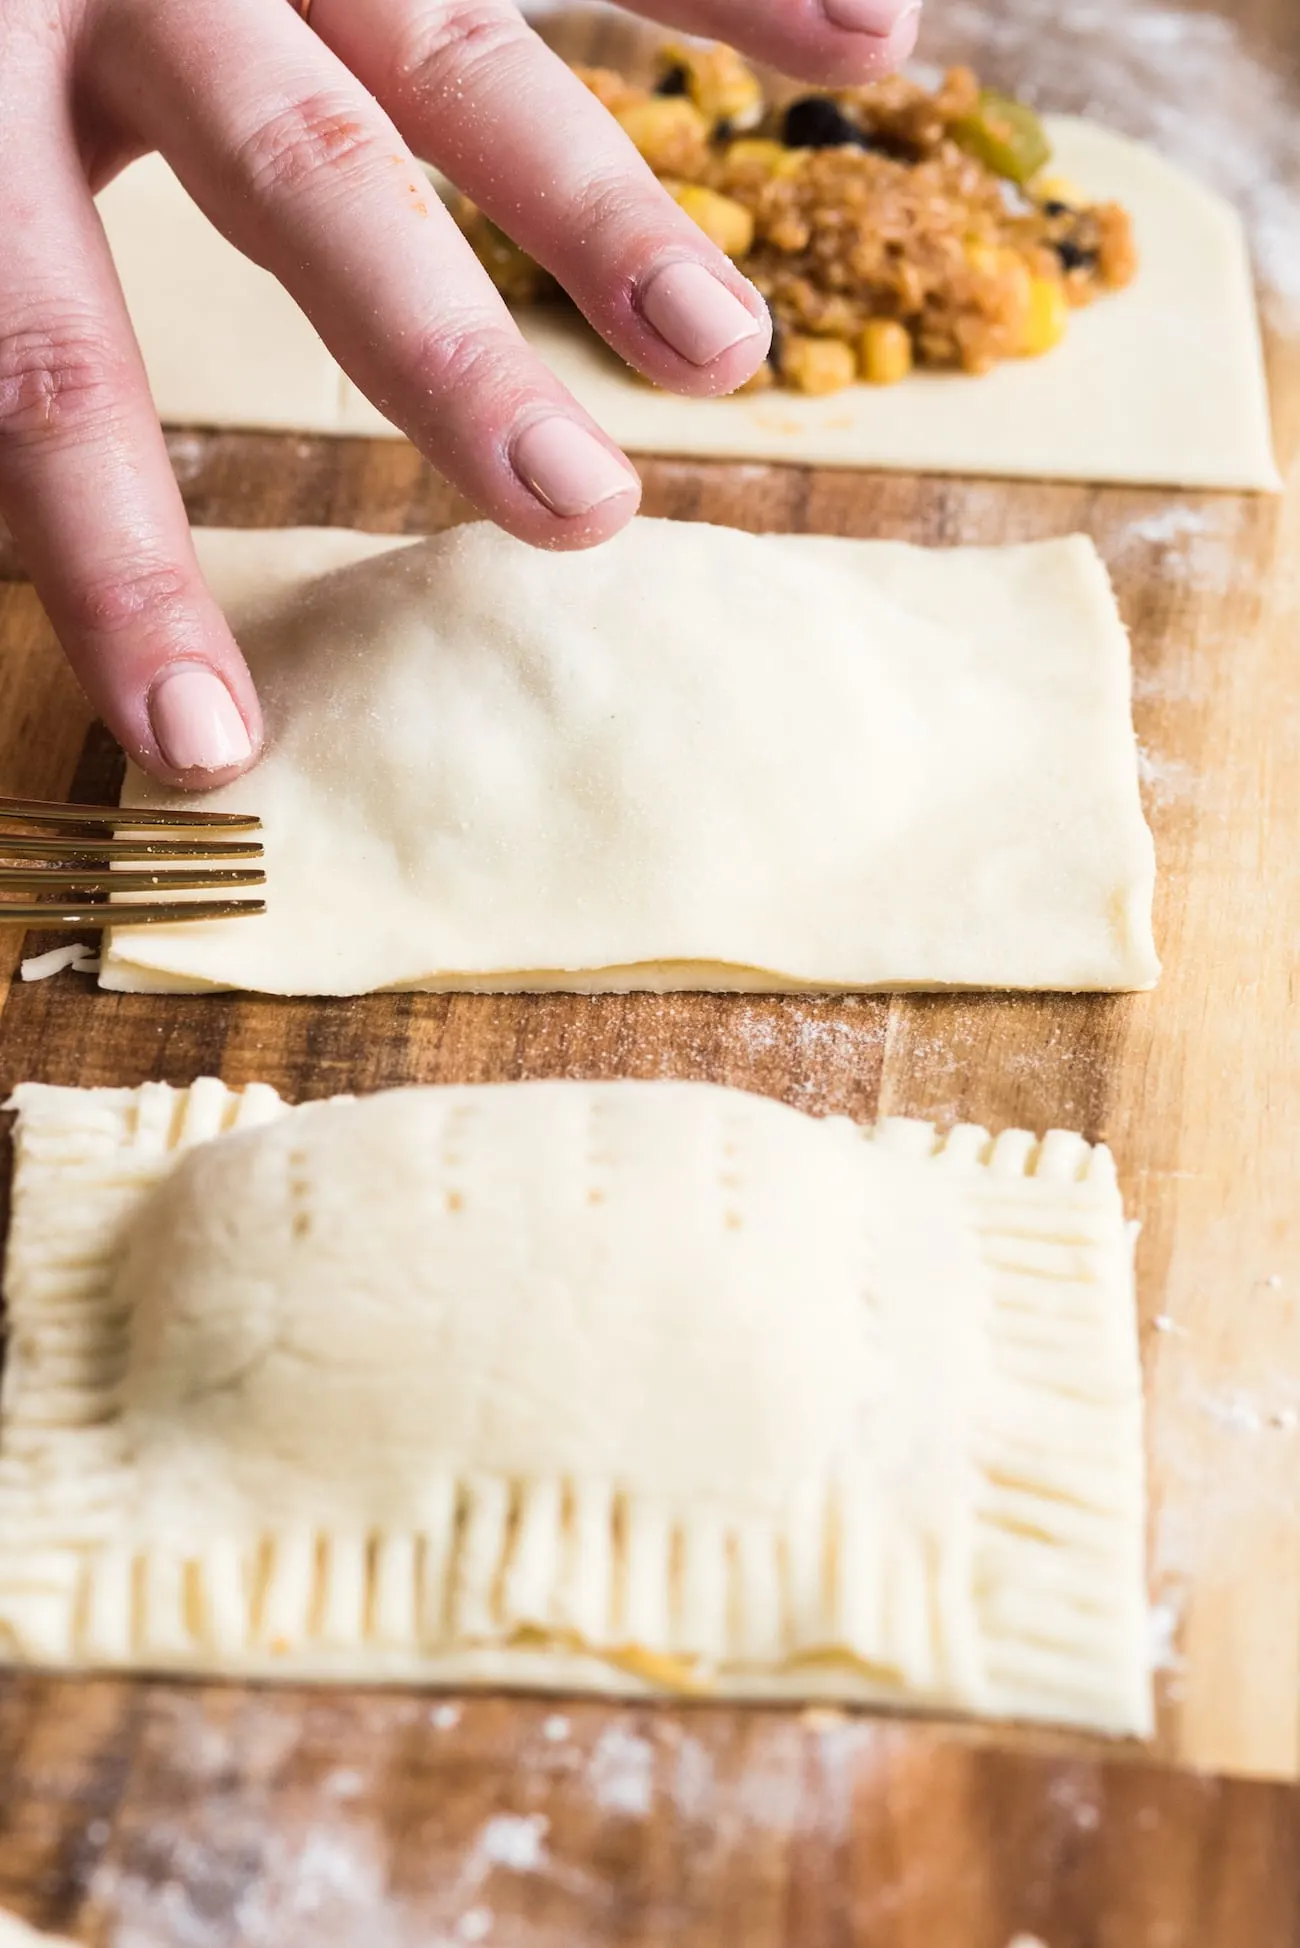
{"type": "Point", "coordinates": [298, 141]}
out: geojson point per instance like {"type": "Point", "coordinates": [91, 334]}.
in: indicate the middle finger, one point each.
{"type": "Point", "coordinates": [472, 87]}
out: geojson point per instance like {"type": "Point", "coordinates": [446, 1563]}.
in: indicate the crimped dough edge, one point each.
{"type": "Point", "coordinates": [656, 1605]}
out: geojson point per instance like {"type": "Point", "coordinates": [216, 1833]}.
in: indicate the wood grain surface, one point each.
{"type": "Point", "coordinates": [156, 1817]}
{"type": "Point", "coordinates": [174, 1817]}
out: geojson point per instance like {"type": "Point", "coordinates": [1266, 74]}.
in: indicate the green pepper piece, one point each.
{"type": "Point", "coordinates": [1006, 136]}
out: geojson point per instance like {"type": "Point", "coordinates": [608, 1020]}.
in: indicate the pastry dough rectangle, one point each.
{"type": "Point", "coordinates": [961, 1530]}
{"type": "Point", "coordinates": [692, 758]}
{"type": "Point", "coordinates": [1124, 399]}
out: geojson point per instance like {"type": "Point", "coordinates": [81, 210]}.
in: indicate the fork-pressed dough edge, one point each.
{"type": "Point", "coordinates": [1057, 1592]}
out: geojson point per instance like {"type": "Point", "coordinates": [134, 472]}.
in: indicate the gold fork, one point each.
{"type": "Point", "coordinates": [82, 856]}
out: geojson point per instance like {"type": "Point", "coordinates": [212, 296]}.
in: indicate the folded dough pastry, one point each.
{"type": "Point", "coordinates": [692, 758]}
{"type": "Point", "coordinates": [1125, 399]}
{"type": "Point", "coordinates": [623, 1387]}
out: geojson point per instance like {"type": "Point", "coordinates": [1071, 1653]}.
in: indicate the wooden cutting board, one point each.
{"type": "Point", "coordinates": [163, 1817]}
{"type": "Point", "coordinates": [231, 1817]}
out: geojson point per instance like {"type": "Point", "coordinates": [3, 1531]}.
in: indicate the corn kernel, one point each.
{"type": "Point", "coordinates": [720, 84]}
{"type": "Point", "coordinates": [724, 222]}
{"type": "Point", "coordinates": [885, 354]}
{"type": "Point", "coordinates": [756, 152]}
{"type": "Point", "coordinates": [1048, 318]}
{"type": "Point", "coordinates": [670, 133]}
{"type": "Point", "coordinates": [818, 365]}
{"type": "Point", "coordinates": [1057, 189]}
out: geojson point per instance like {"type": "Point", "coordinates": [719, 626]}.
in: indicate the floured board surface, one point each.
{"type": "Point", "coordinates": [301, 1821]}
{"type": "Point", "coordinates": [175, 1818]}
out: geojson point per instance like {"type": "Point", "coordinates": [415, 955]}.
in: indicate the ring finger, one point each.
{"type": "Point", "coordinates": [473, 89]}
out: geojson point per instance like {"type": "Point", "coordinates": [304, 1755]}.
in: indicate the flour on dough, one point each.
{"type": "Point", "coordinates": [692, 758]}
{"type": "Point", "coordinates": [627, 1387]}
{"type": "Point", "coordinates": [1128, 398]}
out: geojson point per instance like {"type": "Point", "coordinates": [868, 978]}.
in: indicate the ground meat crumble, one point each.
{"type": "Point", "coordinates": [888, 227]}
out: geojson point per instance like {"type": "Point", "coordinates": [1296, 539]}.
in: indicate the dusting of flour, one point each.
{"type": "Point", "coordinates": [1165, 781]}
{"type": "Point", "coordinates": [622, 1772]}
{"type": "Point", "coordinates": [1198, 546]}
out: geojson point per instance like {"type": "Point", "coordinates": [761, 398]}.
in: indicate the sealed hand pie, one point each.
{"type": "Point", "coordinates": [692, 758]}
{"type": "Point", "coordinates": [620, 1387]}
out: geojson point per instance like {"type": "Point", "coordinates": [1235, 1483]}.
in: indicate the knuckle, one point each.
{"type": "Point", "coordinates": [297, 141]}
{"type": "Point", "coordinates": [128, 595]}
{"type": "Point", "coordinates": [444, 42]}
{"type": "Point", "coordinates": [615, 215]}
{"type": "Point", "coordinates": [467, 360]}
{"type": "Point", "coordinates": [59, 378]}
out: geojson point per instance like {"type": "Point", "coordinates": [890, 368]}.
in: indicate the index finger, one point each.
{"type": "Point", "coordinates": [87, 489]}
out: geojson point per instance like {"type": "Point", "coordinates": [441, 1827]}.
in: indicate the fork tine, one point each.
{"type": "Point", "coordinates": [93, 850]}
{"type": "Point", "coordinates": [77, 860]}
{"type": "Point", "coordinates": [98, 915]}
{"type": "Point", "coordinates": [34, 811]}
{"type": "Point", "coordinates": [20, 879]}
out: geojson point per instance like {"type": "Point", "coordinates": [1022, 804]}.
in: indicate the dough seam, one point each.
{"type": "Point", "coordinates": [1054, 1552]}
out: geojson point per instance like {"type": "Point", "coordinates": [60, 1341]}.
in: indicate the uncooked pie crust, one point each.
{"type": "Point", "coordinates": [631, 1388]}
{"type": "Point", "coordinates": [692, 758]}
{"type": "Point", "coordinates": [1163, 384]}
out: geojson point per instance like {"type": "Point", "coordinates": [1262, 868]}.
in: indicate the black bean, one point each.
{"type": "Point", "coordinates": [816, 122]}
{"type": "Point", "coordinates": [676, 82]}
{"type": "Point", "coordinates": [774, 355]}
{"type": "Point", "coordinates": [1074, 257]}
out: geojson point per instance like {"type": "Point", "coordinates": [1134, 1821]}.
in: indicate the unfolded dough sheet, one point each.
{"type": "Point", "coordinates": [623, 1387]}
{"type": "Point", "coordinates": [1162, 384]}
{"type": "Point", "coordinates": [692, 758]}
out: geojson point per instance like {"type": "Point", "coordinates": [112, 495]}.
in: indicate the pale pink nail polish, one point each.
{"type": "Point", "coordinates": [568, 469]}
{"type": "Point", "coordinates": [880, 17]}
{"type": "Point", "coordinates": [196, 721]}
{"type": "Point", "coordinates": [699, 317]}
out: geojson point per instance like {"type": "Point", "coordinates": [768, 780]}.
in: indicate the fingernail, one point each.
{"type": "Point", "coordinates": [567, 467]}
{"type": "Point", "coordinates": [880, 17]}
{"type": "Point", "coordinates": [699, 317]}
{"type": "Point", "coordinates": [196, 722]}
